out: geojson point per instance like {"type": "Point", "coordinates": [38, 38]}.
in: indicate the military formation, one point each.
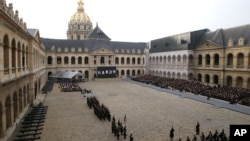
{"type": "Point", "coordinates": [101, 111]}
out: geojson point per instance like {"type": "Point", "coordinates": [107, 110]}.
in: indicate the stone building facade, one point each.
{"type": "Point", "coordinates": [220, 57]}
{"type": "Point", "coordinates": [223, 57]}
{"type": "Point", "coordinates": [22, 68]}
{"type": "Point", "coordinates": [173, 56]}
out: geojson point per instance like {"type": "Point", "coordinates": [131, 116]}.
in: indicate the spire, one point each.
{"type": "Point", "coordinates": [80, 6]}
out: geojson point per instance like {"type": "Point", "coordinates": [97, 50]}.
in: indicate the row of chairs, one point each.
{"type": "Point", "coordinates": [32, 124]}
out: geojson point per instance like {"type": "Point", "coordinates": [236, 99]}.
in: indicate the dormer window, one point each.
{"type": "Point", "coordinates": [72, 49]}
{"type": "Point", "coordinates": [66, 50]}
{"type": "Point", "coordinates": [79, 49]}
{"type": "Point", "coordinates": [241, 41]}
{"type": "Point", "coordinates": [230, 42]}
{"type": "Point", "coordinates": [58, 49]}
{"type": "Point", "coordinates": [86, 49]}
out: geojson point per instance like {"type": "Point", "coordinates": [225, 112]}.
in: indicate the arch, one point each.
{"type": "Point", "coordinates": [59, 60]}
{"type": "Point", "coordinates": [15, 105]}
{"type": "Point", "coordinates": [20, 96]}
{"type": "Point", "coordinates": [24, 96]}
{"type": "Point", "coordinates": [199, 77]}
{"type": "Point", "coordinates": [138, 72]}
{"type": "Point", "coordinates": [138, 60]}
{"type": "Point", "coordinates": [133, 72]}
{"type": "Point", "coordinates": [122, 72]}
{"type": "Point", "coordinates": [86, 74]}
{"type": "Point", "coordinates": [230, 59]}
{"type": "Point", "coordinates": [73, 60]}
{"type": "Point", "coordinates": [79, 60]}
{"type": "Point", "coordinates": [133, 60]}
{"type": "Point", "coordinates": [248, 83]}
{"type": "Point", "coordinates": [102, 60]}
{"type": "Point", "coordinates": [190, 76]}
{"type": "Point", "coordinates": [86, 60]}
{"type": "Point", "coordinates": [239, 82]}
{"type": "Point", "coordinates": [179, 75]}
{"type": "Point", "coordinates": [128, 60]}
{"type": "Point", "coordinates": [199, 59]}
{"type": "Point", "coordinates": [23, 56]}
{"type": "Point", "coordinates": [8, 112]}
{"type": "Point", "coordinates": [216, 79]}
{"type": "Point", "coordinates": [66, 60]}
{"type": "Point", "coordinates": [122, 60]}
{"type": "Point", "coordinates": [164, 74]}
{"type": "Point", "coordinates": [1, 120]}
{"type": "Point", "coordinates": [190, 59]}
{"type": "Point", "coordinates": [116, 60]}
{"type": "Point", "coordinates": [173, 60]}
{"type": "Point", "coordinates": [19, 59]}
{"type": "Point", "coordinates": [173, 74]}
{"type": "Point", "coordinates": [49, 73]}
{"type": "Point", "coordinates": [207, 59]}
{"type": "Point", "coordinates": [128, 72]}
{"type": "Point", "coordinates": [207, 78]}
{"type": "Point", "coordinates": [240, 60]}
{"type": "Point", "coordinates": [229, 81]}
{"type": "Point", "coordinates": [169, 60]}
{"type": "Point", "coordinates": [248, 60]}
{"type": "Point", "coordinates": [49, 60]}
{"type": "Point", "coordinates": [160, 59]}
{"type": "Point", "coordinates": [80, 76]}
{"type": "Point", "coordinates": [169, 75]}
{"type": "Point", "coordinates": [184, 59]}
{"type": "Point", "coordinates": [216, 59]}
{"type": "Point", "coordinates": [164, 60]}
{"type": "Point", "coordinates": [184, 76]}
{"type": "Point", "coordinates": [179, 59]}
{"type": "Point", "coordinates": [6, 54]}
{"type": "Point", "coordinates": [13, 54]}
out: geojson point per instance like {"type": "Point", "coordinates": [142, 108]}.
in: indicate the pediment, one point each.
{"type": "Point", "coordinates": [102, 51]}
{"type": "Point", "coordinates": [208, 45]}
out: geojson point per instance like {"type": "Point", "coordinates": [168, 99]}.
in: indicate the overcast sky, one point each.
{"type": "Point", "coordinates": [134, 20]}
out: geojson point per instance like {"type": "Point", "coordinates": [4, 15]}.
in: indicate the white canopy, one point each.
{"type": "Point", "coordinates": [66, 74]}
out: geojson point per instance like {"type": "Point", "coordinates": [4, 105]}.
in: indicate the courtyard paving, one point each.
{"type": "Point", "coordinates": [150, 113]}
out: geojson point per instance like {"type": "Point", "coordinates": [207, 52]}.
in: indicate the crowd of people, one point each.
{"type": "Point", "coordinates": [69, 86]}
{"type": "Point", "coordinates": [227, 93]}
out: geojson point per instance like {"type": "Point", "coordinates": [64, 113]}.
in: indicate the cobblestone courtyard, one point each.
{"type": "Point", "coordinates": [150, 114]}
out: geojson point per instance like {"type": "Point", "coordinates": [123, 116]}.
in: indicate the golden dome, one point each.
{"type": "Point", "coordinates": [80, 15]}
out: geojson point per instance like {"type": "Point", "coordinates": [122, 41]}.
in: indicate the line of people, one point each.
{"type": "Point", "coordinates": [216, 136]}
{"type": "Point", "coordinates": [119, 129]}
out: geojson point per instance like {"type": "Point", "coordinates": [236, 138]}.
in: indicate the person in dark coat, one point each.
{"type": "Point", "coordinates": [171, 135]}
{"type": "Point", "coordinates": [131, 138]}
{"type": "Point", "coordinates": [197, 128]}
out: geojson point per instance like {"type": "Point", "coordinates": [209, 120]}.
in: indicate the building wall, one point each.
{"type": "Point", "coordinates": [218, 65]}
{"type": "Point", "coordinates": [172, 64]}
{"type": "Point", "coordinates": [22, 69]}
{"type": "Point", "coordinates": [132, 64]}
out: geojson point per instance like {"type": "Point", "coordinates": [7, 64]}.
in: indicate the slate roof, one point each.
{"type": "Point", "coordinates": [97, 33]}
{"type": "Point", "coordinates": [184, 41]}
{"type": "Point", "coordinates": [222, 36]}
{"type": "Point", "coordinates": [92, 45]}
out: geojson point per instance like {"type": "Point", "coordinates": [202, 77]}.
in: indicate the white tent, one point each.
{"type": "Point", "coordinates": [62, 74]}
